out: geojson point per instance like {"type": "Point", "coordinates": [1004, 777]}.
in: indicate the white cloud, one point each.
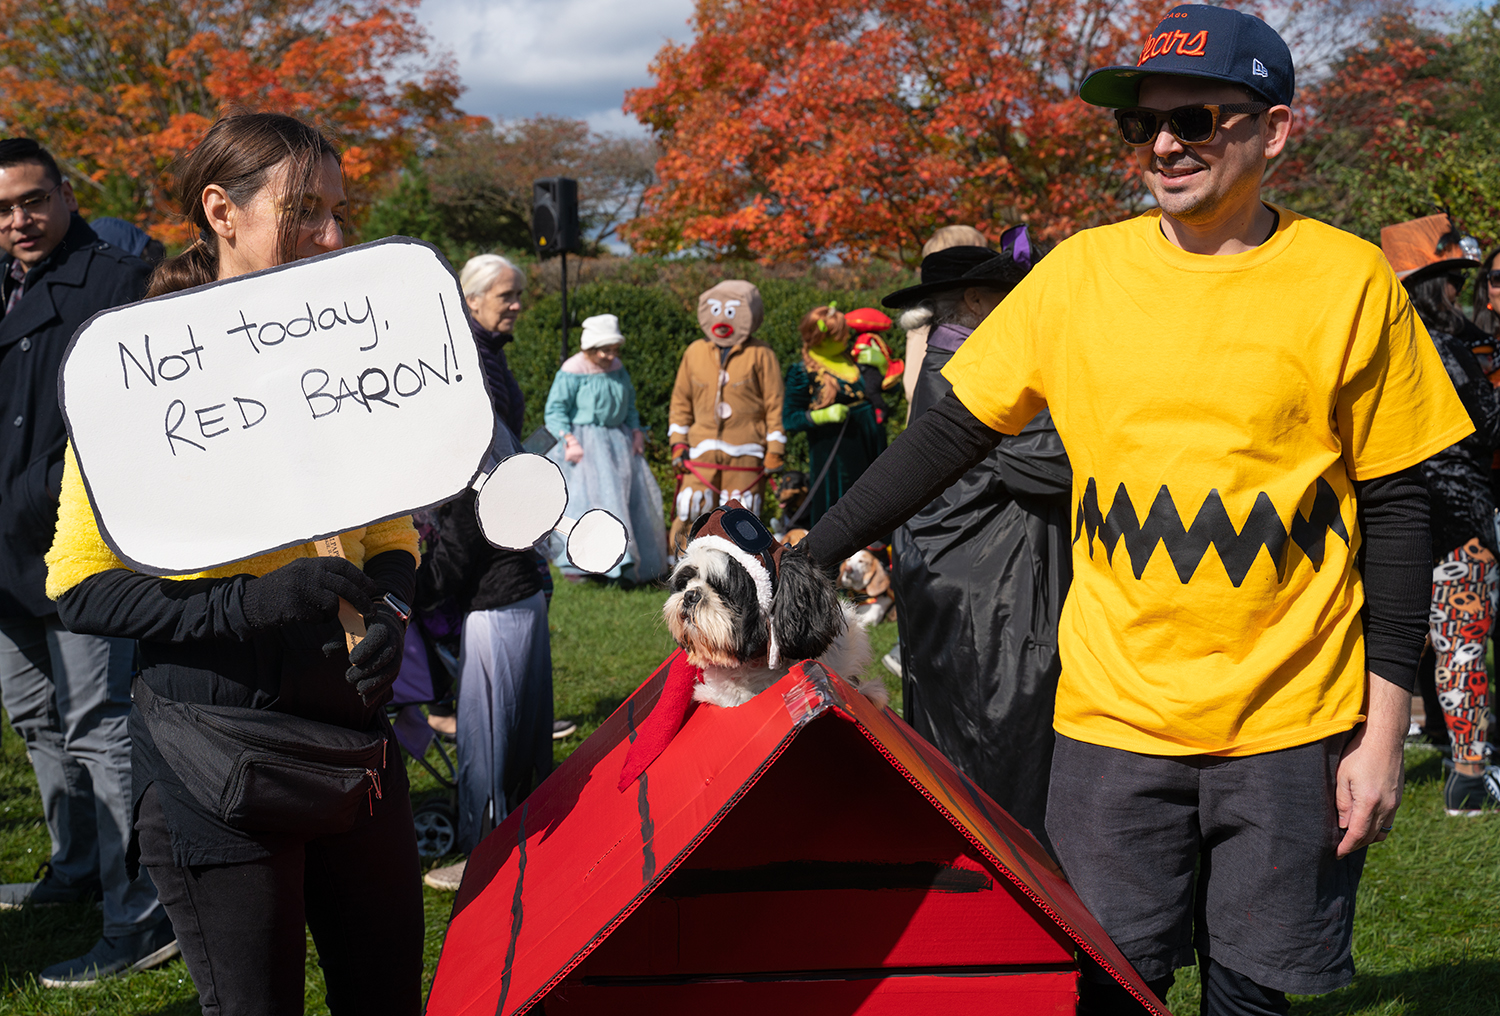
{"type": "Point", "coordinates": [520, 58]}
{"type": "Point", "coordinates": [615, 121]}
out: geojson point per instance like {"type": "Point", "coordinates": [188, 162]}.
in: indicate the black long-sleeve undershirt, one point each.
{"type": "Point", "coordinates": [1397, 564]}
{"type": "Point", "coordinates": [124, 604]}
{"type": "Point", "coordinates": [948, 440]}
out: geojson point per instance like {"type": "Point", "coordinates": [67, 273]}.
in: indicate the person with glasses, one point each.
{"type": "Point", "coordinates": [1244, 394]}
{"type": "Point", "coordinates": [979, 640]}
{"type": "Point", "coordinates": [1432, 259]}
{"type": "Point", "coordinates": [67, 695]}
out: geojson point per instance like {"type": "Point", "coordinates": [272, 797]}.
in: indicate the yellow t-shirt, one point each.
{"type": "Point", "coordinates": [78, 550]}
{"type": "Point", "coordinates": [1215, 410]}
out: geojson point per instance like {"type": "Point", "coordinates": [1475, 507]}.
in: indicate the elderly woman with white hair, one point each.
{"type": "Point", "coordinates": [492, 288]}
{"type": "Point", "coordinates": [504, 722]}
{"type": "Point", "coordinates": [592, 412]}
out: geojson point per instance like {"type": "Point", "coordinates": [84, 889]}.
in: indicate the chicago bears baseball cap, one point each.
{"type": "Point", "coordinates": [1202, 42]}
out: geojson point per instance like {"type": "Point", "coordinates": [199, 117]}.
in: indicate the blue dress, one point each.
{"type": "Point", "coordinates": [598, 408]}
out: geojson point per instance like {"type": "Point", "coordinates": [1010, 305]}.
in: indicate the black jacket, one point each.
{"type": "Point", "coordinates": [1459, 482]}
{"type": "Point", "coordinates": [979, 580]}
{"type": "Point", "coordinates": [196, 645]}
{"type": "Point", "coordinates": [81, 277]}
{"type": "Point", "coordinates": [467, 569]}
{"type": "Point", "coordinates": [463, 567]}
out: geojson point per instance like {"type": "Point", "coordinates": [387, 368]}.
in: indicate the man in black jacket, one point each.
{"type": "Point", "coordinates": [67, 695]}
{"type": "Point", "coordinates": [981, 572]}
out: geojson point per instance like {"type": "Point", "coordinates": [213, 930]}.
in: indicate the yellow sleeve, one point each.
{"type": "Point", "coordinates": [1397, 405]}
{"type": "Point", "coordinates": [393, 534]}
{"type": "Point", "coordinates": [996, 373]}
{"type": "Point", "coordinates": [78, 550]}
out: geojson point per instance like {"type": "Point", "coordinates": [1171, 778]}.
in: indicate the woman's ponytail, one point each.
{"type": "Point", "coordinates": [196, 266]}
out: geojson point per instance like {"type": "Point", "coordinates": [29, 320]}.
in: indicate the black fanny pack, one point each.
{"type": "Point", "coordinates": [266, 772]}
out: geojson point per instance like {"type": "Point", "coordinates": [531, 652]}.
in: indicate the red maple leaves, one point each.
{"type": "Point", "coordinates": [118, 88]}
{"type": "Point", "coordinates": [807, 128]}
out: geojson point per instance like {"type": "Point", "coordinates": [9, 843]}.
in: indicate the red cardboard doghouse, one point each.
{"type": "Point", "coordinates": [803, 853]}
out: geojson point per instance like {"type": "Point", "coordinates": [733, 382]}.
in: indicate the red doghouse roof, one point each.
{"type": "Point", "coordinates": [551, 883]}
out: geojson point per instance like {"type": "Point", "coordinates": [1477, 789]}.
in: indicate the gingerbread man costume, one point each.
{"type": "Point", "coordinates": [725, 418]}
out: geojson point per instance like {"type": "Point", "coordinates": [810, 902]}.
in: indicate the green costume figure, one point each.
{"type": "Point", "coordinates": [825, 399]}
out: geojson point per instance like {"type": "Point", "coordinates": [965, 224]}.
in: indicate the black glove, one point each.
{"type": "Point", "coordinates": [306, 590]}
{"type": "Point", "coordinates": [375, 662]}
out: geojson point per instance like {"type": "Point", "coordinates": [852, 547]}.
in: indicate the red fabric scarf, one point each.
{"type": "Point", "coordinates": [664, 721]}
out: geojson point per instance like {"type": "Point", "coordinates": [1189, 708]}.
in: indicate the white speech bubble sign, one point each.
{"type": "Point", "coordinates": [521, 501]}
{"type": "Point", "coordinates": [597, 541]}
{"type": "Point", "coordinates": [272, 409]}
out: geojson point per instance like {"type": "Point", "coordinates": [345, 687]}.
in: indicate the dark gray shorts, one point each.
{"type": "Point", "coordinates": [1271, 901]}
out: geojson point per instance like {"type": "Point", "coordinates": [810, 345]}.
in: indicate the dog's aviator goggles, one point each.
{"type": "Point", "coordinates": [742, 526]}
{"type": "Point", "coordinates": [1191, 125]}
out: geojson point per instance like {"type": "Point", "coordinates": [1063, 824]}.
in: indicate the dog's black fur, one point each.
{"type": "Point", "coordinates": [805, 608]}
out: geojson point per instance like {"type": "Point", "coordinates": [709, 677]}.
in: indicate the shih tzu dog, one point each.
{"type": "Point", "coordinates": [744, 610]}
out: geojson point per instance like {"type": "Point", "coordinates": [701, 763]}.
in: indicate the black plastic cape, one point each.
{"type": "Point", "coordinates": [979, 580]}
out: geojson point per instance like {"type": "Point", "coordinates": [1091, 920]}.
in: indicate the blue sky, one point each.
{"type": "Point", "coordinates": [521, 58]}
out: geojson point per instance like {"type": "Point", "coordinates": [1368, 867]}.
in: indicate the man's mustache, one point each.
{"type": "Point", "coordinates": [1181, 160]}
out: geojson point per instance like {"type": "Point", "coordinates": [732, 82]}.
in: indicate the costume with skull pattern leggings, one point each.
{"type": "Point", "coordinates": [1463, 610]}
{"type": "Point", "coordinates": [742, 482]}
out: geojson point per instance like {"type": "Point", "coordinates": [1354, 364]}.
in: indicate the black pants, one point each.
{"type": "Point", "coordinates": [1222, 991]}
{"type": "Point", "coordinates": [240, 926]}
{"type": "Point", "coordinates": [1231, 858]}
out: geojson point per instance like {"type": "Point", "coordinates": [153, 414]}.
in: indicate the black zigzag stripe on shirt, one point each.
{"type": "Point", "coordinates": [1186, 546]}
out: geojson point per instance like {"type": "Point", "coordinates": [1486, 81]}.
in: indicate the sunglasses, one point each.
{"type": "Point", "coordinates": [1190, 125]}
{"type": "Point", "coordinates": [1492, 277]}
{"type": "Point", "coordinates": [743, 527]}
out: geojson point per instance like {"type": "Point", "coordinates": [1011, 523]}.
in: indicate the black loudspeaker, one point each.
{"type": "Point", "coordinates": [554, 215]}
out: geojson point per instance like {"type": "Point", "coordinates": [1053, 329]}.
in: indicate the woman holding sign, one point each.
{"type": "Point", "coordinates": [247, 693]}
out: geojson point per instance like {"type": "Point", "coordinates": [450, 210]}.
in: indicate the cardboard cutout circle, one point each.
{"type": "Point", "coordinates": [597, 542]}
{"type": "Point", "coordinates": [521, 501]}
{"type": "Point", "coordinates": [277, 408]}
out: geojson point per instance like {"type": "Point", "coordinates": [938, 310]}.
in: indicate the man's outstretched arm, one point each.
{"type": "Point", "coordinates": [943, 444]}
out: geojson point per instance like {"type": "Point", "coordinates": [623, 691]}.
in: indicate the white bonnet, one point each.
{"type": "Point", "coordinates": [601, 330]}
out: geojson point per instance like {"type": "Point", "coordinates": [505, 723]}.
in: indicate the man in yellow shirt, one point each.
{"type": "Point", "coordinates": [1223, 706]}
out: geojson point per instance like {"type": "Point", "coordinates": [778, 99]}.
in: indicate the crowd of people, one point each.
{"type": "Point", "coordinates": [1170, 555]}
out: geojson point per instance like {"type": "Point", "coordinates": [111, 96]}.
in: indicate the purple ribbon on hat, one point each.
{"type": "Point", "coordinates": [1017, 244]}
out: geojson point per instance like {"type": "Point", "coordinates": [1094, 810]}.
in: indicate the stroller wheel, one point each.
{"type": "Point", "coordinates": [437, 830]}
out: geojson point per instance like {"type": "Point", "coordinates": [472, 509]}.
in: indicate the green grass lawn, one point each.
{"type": "Point", "coordinates": [1428, 938]}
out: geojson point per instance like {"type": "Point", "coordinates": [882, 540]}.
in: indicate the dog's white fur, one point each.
{"type": "Point", "coordinates": [704, 627]}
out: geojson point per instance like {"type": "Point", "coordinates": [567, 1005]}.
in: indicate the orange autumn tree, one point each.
{"type": "Point", "coordinates": [796, 129]}
{"type": "Point", "coordinates": [116, 89]}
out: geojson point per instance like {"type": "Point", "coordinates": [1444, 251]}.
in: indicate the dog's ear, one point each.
{"type": "Point", "coordinates": [880, 580]}
{"type": "Point", "coordinates": [805, 612]}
